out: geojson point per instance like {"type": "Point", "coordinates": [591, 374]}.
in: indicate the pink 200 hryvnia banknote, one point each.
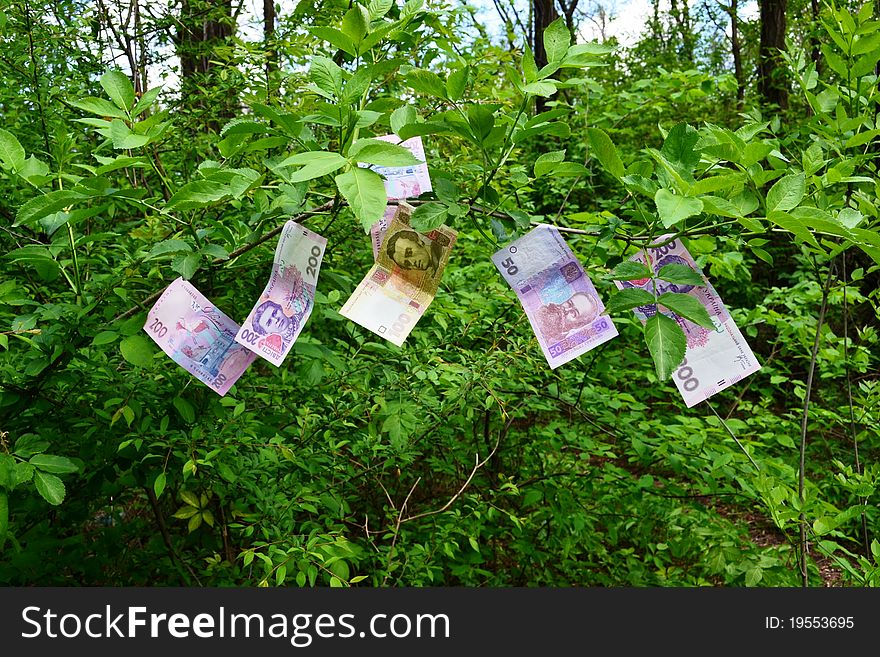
{"type": "Point", "coordinates": [278, 317]}
{"type": "Point", "coordinates": [197, 336]}
{"type": "Point", "coordinates": [714, 359]}
{"type": "Point", "coordinates": [560, 301]}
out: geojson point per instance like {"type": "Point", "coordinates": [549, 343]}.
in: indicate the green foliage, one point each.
{"type": "Point", "coordinates": [460, 458]}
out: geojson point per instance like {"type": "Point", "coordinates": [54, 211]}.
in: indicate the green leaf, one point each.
{"type": "Point", "coordinates": [109, 164]}
{"type": "Point", "coordinates": [168, 246]}
{"type": "Point", "coordinates": [159, 484]}
{"type": "Point", "coordinates": [428, 216]}
{"type": "Point", "coordinates": [4, 517]}
{"type": "Point", "coordinates": [824, 525]}
{"type": "Point", "coordinates": [680, 274]}
{"type": "Point", "coordinates": [675, 209]}
{"type": "Point", "coordinates": [53, 464]}
{"type": "Point", "coordinates": [326, 74]}
{"type": "Point", "coordinates": [137, 351]}
{"type": "Point", "coordinates": [186, 410]}
{"type": "Point", "coordinates": [241, 126]}
{"type": "Point", "coordinates": [123, 138]}
{"type": "Point", "coordinates": [365, 193]}
{"type": "Point", "coordinates": [187, 511]}
{"type": "Point", "coordinates": [543, 88]}
{"type": "Point", "coordinates": [679, 149]}
{"type": "Point", "coordinates": [627, 299]}
{"type": "Point", "coordinates": [754, 576]}
{"type": "Point", "coordinates": [44, 205]}
{"type": "Point", "coordinates": [481, 120]}
{"type": "Point", "coordinates": [119, 89]}
{"type": "Point", "coordinates": [553, 129]}
{"type": "Point", "coordinates": [557, 39]}
{"type": "Point", "coordinates": [787, 193]}
{"type": "Point", "coordinates": [530, 69]}
{"type": "Point", "coordinates": [382, 153]}
{"type": "Point", "coordinates": [358, 84]}
{"type": "Point", "coordinates": [335, 38]}
{"type": "Point", "coordinates": [105, 337]}
{"type": "Point", "coordinates": [456, 83]}
{"type": "Point", "coordinates": [355, 23]}
{"type": "Point", "coordinates": [426, 82]}
{"type": "Point", "coordinates": [99, 106]}
{"type": "Point", "coordinates": [11, 151]}
{"type": "Point", "coordinates": [146, 100]}
{"type": "Point", "coordinates": [50, 487]}
{"type": "Point", "coordinates": [547, 161]}
{"type": "Point", "coordinates": [720, 207]}
{"type": "Point", "coordinates": [314, 164]}
{"type": "Point", "coordinates": [403, 116]}
{"type": "Point", "coordinates": [197, 194]}
{"type": "Point", "coordinates": [629, 270]}
{"type": "Point", "coordinates": [687, 306]}
{"type": "Point", "coordinates": [190, 498]}
{"type": "Point", "coordinates": [378, 8]}
{"type": "Point", "coordinates": [7, 472]}
{"type": "Point", "coordinates": [666, 342]}
{"type": "Point", "coordinates": [186, 264]}
{"type": "Point", "coordinates": [603, 149]}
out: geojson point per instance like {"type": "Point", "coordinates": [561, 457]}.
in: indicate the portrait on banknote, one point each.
{"type": "Point", "coordinates": [285, 304]}
{"type": "Point", "coordinates": [281, 310]}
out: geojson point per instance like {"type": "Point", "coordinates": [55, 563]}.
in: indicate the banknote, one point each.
{"type": "Point", "coordinates": [402, 283]}
{"type": "Point", "coordinates": [400, 183]}
{"type": "Point", "coordinates": [714, 358]}
{"type": "Point", "coordinates": [283, 308]}
{"type": "Point", "coordinates": [562, 305]}
{"type": "Point", "coordinates": [198, 336]}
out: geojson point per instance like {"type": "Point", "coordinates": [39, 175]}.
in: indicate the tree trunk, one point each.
{"type": "Point", "coordinates": [771, 74]}
{"type": "Point", "coordinates": [205, 25]}
{"type": "Point", "coordinates": [814, 39]}
{"type": "Point", "coordinates": [269, 41]}
{"type": "Point", "coordinates": [736, 51]}
{"type": "Point", "coordinates": [545, 13]}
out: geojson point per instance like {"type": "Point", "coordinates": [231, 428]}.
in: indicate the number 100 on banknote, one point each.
{"type": "Point", "coordinates": [562, 304]}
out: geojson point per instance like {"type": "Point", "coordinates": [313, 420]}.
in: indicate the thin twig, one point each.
{"type": "Point", "coordinates": [397, 528]}
{"type": "Point", "coordinates": [806, 414]}
{"type": "Point", "coordinates": [849, 399]}
{"type": "Point", "coordinates": [731, 434]}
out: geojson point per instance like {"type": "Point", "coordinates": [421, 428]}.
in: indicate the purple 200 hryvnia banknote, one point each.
{"type": "Point", "coordinates": [560, 301]}
{"type": "Point", "coordinates": [713, 359]}
{"type": "Point", "coordinates": [197, 336]}
{"type": "Point", "coordinates": [277, 319]}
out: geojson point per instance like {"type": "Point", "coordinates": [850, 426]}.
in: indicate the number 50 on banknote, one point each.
{"type": "Point", "coordinates": [560, 301]}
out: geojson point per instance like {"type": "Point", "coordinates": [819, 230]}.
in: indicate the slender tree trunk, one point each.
{"type": "Point", "coordinates": [771, 75]}
{"type": "Point", "coordinates": [545, 13]}
{"type": "Point", "coordinates": [735, 49]}
{"type": "Point", "coordinates": [815, 53]}
{"type": "Point", "coordinates": [269, 41]}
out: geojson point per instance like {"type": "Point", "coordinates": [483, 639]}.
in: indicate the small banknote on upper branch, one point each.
{"type": "Point", "coordinates": [400, 183]}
